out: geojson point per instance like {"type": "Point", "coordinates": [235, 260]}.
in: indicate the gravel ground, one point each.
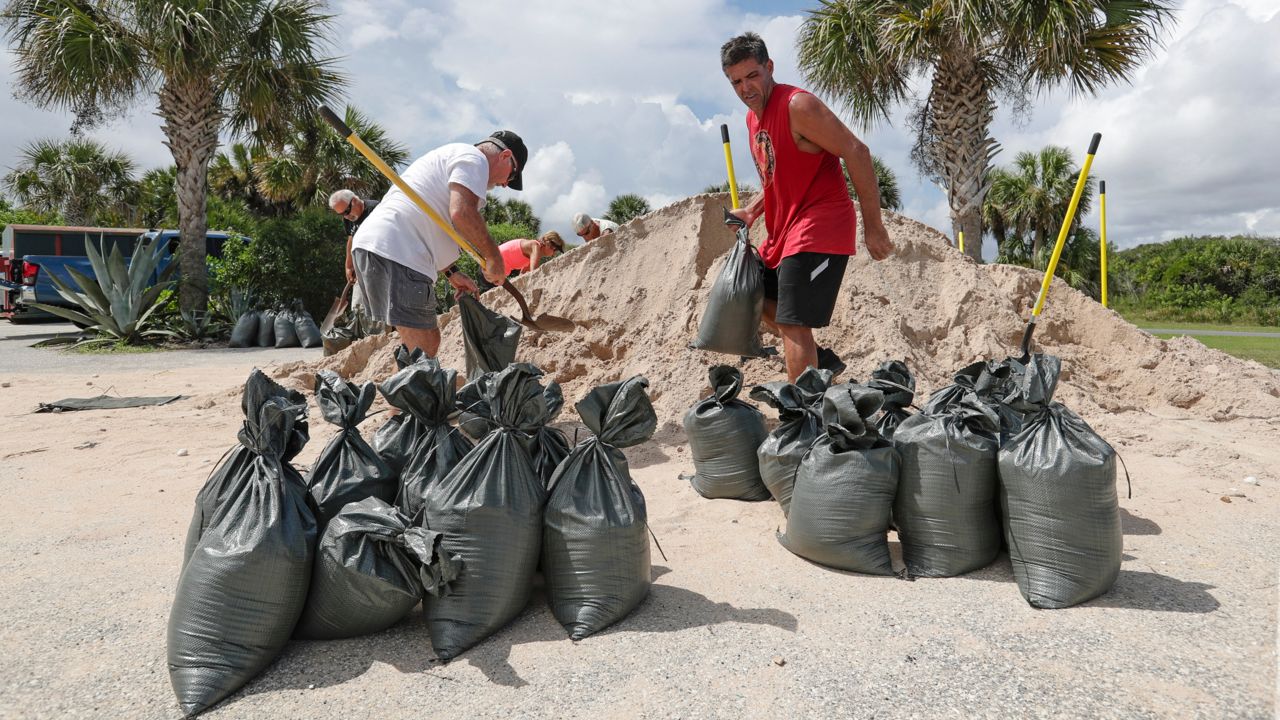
{"type": "Point", "coordinates": [91, 542]}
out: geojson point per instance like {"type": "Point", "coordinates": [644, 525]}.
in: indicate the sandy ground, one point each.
{"type": "Point", "coordinates": [91, 542]}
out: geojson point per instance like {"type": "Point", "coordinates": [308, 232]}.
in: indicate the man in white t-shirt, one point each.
{"type": "Point", "coordinates": [398, 250]}
{"type": "Point", "coordinates": [589, 228]}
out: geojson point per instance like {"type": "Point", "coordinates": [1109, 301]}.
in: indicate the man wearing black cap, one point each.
{"type": "Point", "coordinates": [398, 250]}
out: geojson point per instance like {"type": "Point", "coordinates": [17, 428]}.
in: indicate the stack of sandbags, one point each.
{"type": "Point", "coordinates": [899, 387]}
{"type": "Point", "coordinates": [347, 469]}
{"type": "Point", "coordinates": [1058, 497]}
{"type": "Point", "coordinates": [724, 434]}
{"type": "Point", "coordinates": [844, 490]}
{"type": "Point", "coordinates": [799, 407]}
{"type": "Point", "coordinates": [372, 567]}
{"type": "Point", "coordinates": [248, 556]}
{"type": "Point", "coordinates": [489, 508]}
{"type": "Point", "coordinates": [595, 546]}
{"type": "Point", "coordinates": [946, 508]}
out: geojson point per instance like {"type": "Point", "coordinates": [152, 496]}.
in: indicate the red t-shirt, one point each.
{"type": "Point", "coordinates": [806, 203]}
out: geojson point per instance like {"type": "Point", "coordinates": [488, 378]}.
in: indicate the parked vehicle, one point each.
{"type": "Point", "coordinates": [18, 242]}
{"type": "Point", "coordinates": [36, 287]}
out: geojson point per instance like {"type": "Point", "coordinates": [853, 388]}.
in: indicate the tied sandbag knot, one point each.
{"type": "Point", "coordinates": [348, 469]}
{"type": "Point", "coordinates": [799, 407]}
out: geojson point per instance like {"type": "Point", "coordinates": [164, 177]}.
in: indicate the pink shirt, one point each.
{"type": "Point", "coordinates": [512, 256]}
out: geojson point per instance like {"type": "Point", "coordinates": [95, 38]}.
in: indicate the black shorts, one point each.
{"type": "Point", "coordinates": [805, 286]}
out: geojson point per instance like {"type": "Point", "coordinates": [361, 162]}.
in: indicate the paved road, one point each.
{"type": "Point", "coordinates": [17, 355]}
{"type": "Point", "coordinates": [1218, 333]}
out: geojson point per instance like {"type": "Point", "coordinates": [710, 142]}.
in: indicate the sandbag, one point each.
{"type": "Point", "coordinates": [267, 329]}
{"type": "Point", "coordinates": [845, 487]}
{"type": "Point", "coordinates": [347, 469]}
{"type": "Point", "coordinates": [286, 335]}
{"type": "Point", "coordinates": [245, 333]}
{"type": "Point", "coordinates": [946, 508]}
{"type": "Point", "coordinates": [993, 382]}
{"type": "Point", "coordinates": [372, 567]}
{"type": "Point", "coordinates": [550, 446]}
{"type": "Point", "coordinates": [252, 539]}
{"type": "Point", "coordinates": [394, 440]}
{"type": "Point", "coordinates": [799, 408]}
{"type": "Point", "coordinates": [724, 434]}
{"type": "Point", "coordinates": [426, 444]}
{"type": "Point", "coordinates": [731, 322]}
{"type": "Point", "coordinates": [595, 542]}
{"type": "Point", "coordinates": [489, 508]}
{"type": "Point", "coordinates": [489, 339]}
{"type": "Point", "coordinates": [1058, 498]}
{"type": "Point", "coordinates": [895, 380]}
{"type": "Point", "coordinates": [307, 331]}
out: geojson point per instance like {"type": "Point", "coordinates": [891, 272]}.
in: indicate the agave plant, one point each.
{"type": "Point", "coordinates": [117, 303]}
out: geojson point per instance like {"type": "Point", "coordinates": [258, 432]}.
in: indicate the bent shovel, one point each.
{"type": "Point", "coordinates": [340, 305]}
{"type": "Point", "coordinates": [543, 322]}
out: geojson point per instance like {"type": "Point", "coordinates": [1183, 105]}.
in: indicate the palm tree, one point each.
{"type": "Point", "coordinates": [625, 207]}
{"type": "Point", "coordinates": [243, 66]}
{"type": "Point", "coordinates": [312, 162]}
{"type": "Point", "coordinates": [1029, 200]}
{"type": "Point", "coordinates": [511, 212]}
{"type": "Point", "coordinates": [157, 198]}
{"type": "Point", "coordinates": [78, 178]}
{"type": "Point", "coordinates": [233, 176]}
{"type": "Point", "coordinates": [865, 53]}
{"type": "Point", "coordinates": [886, 180]}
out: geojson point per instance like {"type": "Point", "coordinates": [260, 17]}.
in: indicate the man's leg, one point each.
{"type": "Point", "coordinates": [414, 338]}
{"type": "Point", "coordinates": [799, 349]}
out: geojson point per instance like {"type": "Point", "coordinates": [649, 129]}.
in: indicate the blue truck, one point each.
{"type": "Point", "coordinates": [24, 275]}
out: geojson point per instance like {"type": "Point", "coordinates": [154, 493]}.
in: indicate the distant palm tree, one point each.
{"type": "Point", "coordinates": [158, 197]}
{"type": "Point", "coordinates": [1027, 202]}
{"type": "Point", "coordinates": [78, 178]}
{"type": "Point", "coordinates": [625, 207]}
{"type": "Point", "coordinates": [233, 176]}
{"type": "Point", "coordinates": [743, 189]}
{"type": "Point", "coordinates": [865, 55]}
{"type": "Point", "coordinates": [886, 181]}
{"type": "Point", "coordinates": [511, 212]}
{"type": "Point", "coordinates": [248, 67]}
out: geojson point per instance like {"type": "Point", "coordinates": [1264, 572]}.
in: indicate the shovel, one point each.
{"type": "Point", "coordinates": [340, 305]}
{"type": "Point", "coordinates": [1057, 248]}
{"type": "Point", "coordinates": [542, 322]}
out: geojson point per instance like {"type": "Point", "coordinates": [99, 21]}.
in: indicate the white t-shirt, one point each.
{"type": "Point", "coordinates": [398, 230]}
{"type": "Point", "coordinates": [606, 226]}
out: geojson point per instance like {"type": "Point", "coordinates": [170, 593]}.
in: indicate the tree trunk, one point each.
{"type": "Point", "coordinates": [962, 110]}
{"type": "Point", "coordinates": [191, 121]}
{"type": "Point", "coordinates": [1037, 242]}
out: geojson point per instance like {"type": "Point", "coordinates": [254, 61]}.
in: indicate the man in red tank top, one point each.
{"type": "Point", "coordinates": [797, 144]}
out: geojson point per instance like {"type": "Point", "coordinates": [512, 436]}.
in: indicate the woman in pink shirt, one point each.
{"type": "Point", "coordinates": [526, 254]}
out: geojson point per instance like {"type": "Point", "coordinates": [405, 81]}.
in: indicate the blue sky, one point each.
{"type": "Point", "coordinates": [620, 98]}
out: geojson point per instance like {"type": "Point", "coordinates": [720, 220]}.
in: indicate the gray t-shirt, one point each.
{"type": "Point", "coordinates": [398, 229]}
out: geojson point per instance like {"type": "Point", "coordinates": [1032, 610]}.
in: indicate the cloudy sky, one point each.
{"type": "Point", "coordinates": [619, 98]}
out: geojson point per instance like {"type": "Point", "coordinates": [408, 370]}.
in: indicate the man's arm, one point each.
{"type": "Point", "coordinates": [751, 212]}
{"type": "Point", "coordinates": [814, 122]}
{"type": "Point", "coordinates": [464, 212]}
{"type": "Point", "coordinates": [351, 267]}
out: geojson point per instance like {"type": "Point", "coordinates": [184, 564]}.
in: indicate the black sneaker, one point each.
{"type": "Point", "coordinates": [828, 360]}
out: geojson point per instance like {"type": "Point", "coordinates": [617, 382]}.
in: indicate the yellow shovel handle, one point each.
{"type": "Point", "coordinates": [728, 162]}
{"type": "Point", "coordinates": [1066, 225]}
{"type": "Point", "coordinates": [347, 133]}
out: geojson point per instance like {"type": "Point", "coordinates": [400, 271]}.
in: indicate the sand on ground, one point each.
{"type": "Point", "coordinates": [98, 504]}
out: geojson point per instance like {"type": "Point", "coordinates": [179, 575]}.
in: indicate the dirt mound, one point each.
{"type": "Point", "coordinates": [636, 297]}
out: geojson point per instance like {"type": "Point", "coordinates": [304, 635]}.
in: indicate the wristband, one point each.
{"type": "Point", "coordinates": [449, 271]}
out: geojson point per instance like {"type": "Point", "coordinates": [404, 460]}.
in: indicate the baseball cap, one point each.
{"type": "Point", "coordinates": [508, 140]}
{"type": "Point", "coordinates": [580, 222]}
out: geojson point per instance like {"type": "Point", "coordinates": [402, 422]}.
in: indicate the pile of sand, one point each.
{"type": "Point", "coordinates": [636, 298]}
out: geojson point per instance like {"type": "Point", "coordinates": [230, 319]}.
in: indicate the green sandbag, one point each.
{"type": "Point", "coordinates": [993, 382]}
{"type": "Point", "coordinates": [372, 567]}
{"type": "Point", "coordinates": [800, 414]}
{"type": "Point", "coordinates": [347, 469]}
{"type": "Point", "coordinates": [489, 508]}
{"type": "Point", "coordinates": [267, 329]}
{"type": "Point", "coordinates": [286, 334]}
{"type": "Point", "coordinates": [895, 380]}
{"type": "Point", "coordinates": [946, 509]}
{"type": "Point", "coordinates": [731, 322]}
{"type": "Point", "coordinates": [1058, 498]}
{"type": "Point", "coordinates": [489, 339]}
{"type": "Point", "coordinates": [308, 332]}
{"type": "Point", "coordinates": [395, 439]}
{"type": "Point", "coordinates": [550, 446]}
{"type": "Point", "coordinates": [252, 539]}
{"type": "Point", "coordinates": [595, 542]}
{"type": "Point", "coordinates": [724, 434]}
{"type": "Point", "coordinates": [427, 444]}
{"type": "Point", "coordinates": [245, 333]}
{"type": "Point", "coordinates": [845, 487]}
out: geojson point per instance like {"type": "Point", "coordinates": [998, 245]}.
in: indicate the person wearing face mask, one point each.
{"type": "Point", "coordinates": [398, 251]}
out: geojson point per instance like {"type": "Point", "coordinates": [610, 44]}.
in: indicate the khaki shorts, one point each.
{"type": "Point", "coordinates": [395, 294]}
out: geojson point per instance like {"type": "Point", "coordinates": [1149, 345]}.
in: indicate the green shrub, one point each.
{"type": "Point", "coordinates": [298, 258]}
